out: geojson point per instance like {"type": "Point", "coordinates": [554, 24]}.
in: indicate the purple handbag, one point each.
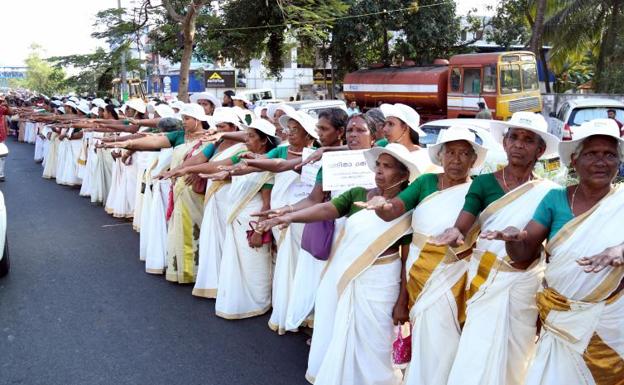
{"type": "Point", "coordinates": [317, 239]}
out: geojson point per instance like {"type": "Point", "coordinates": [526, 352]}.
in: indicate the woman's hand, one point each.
{"type": "Point", "coordinates": [221, 175]}
{"type": "Point", "coordinates": [314, 157]}
{"type": "Point", "coordinates": [126, 158]}
{"type": "Point", "coordinates": [611, 256]}
{"type": "Point", "coordinates": [451, 236]}
{"type": "Point", "coordinates": [249, 155]}
{"type": "Point", "coordinates": [281, 221]}
{"type": "Point", "coordinates": [375, 203]}
{"type": "Point", "coordinates": [400, 313]}
{"type": "Point", "coordinates": [509, 234]}
{"type": "Point", "coordinates": [274, 212]}
{"type": "Point", "coordinates": [191, 178]}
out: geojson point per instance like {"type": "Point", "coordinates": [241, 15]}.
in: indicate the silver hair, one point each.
{"type": "Point", "coordinates": [443, 146]}
{"type": "Point", "coordinates": [579, 148]}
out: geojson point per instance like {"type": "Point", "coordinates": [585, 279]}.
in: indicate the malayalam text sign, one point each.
{"type": "Point", "coordinates": [343, 170]}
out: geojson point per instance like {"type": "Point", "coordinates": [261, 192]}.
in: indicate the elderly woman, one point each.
{"type": "Point", "coordinates": [353, 328]}
{"type": "Point", "coordinates": [433, 278]}
{"type": "Point", "coordinates": [581, 306]}
{"type": "Point", "coordinates": [185, 208]}
{"type": "Point", "coordinates": [498, 337]}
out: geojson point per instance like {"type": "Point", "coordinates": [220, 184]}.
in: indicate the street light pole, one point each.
{"type": "Point", "coordinates": [124, 80]}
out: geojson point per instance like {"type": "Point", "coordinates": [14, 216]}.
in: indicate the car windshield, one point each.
{"type": "Point", "coordinates": [581, 115]}
{"type": "Point", "coordinates": [433, 131]}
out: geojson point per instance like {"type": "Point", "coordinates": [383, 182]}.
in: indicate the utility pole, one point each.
{"type": "Point", "coordinates": [124, 80]}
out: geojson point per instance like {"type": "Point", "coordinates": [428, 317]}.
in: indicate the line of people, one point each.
{"type": "Point", "coordinates": [505, 278]}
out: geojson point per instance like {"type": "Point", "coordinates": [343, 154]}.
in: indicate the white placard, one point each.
{"type": "Point", "coordinates": [309, 171]}
{"type": "Point", "coordinates": [343, 170]}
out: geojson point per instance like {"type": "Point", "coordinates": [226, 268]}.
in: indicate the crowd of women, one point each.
{"type": "Point", "coordinates": [504, 278]}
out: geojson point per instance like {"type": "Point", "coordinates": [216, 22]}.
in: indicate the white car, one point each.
{"type": "Point", "coordinates": [576, 111]}
{"type": "Point", "coordinates": [4, 246]}
{"type": "Point", "coordinates": [496, 155]}
{"type": "Point", "coordinates": [313, 107]}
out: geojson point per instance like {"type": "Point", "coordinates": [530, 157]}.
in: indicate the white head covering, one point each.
{"type": "Point", "coordinates": [455, 133]}
{"type": "Point", "coordinates": [529, 121]}
{"type": "Point", "coordinates": [258, 111]}
{"type": "Point", "coordinates": [164, 111]}
{"type": "Point", "coordinates": [137, 105]}
{"type": "Point", "coordinates": [178, 104]}
{"type": "Point", "coordinates": [405, 113]}
{"type": "Point", "coordinates": [84, 107]}
{"type": "Point", "coordinates": [604, 127]}
{"type": "Point", "coordinates": [98, 102]}
{"type": "Point", "coordinates": [71, 104]}
{"type": "Point", "coordinates": [205, 96]}
{"type": "Point", "coordinates": [243, 99]}
{"type": "Point", "coordinates": [263, 125]}
{"type": "Point", "coordinates": [226, 115]}
{"type": "Point", "coordinates": [95, 111]}
{"type": "Point", "coordinates": [273, 107]}
{"type": "Point", "coordinates": [194, 111]}
{"type": "Point", "coordinates": [307, 122]}
{"type": "Point", "coordinates": [398, 152]}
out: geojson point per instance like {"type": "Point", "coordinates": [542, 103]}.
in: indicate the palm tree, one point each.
{"type": "Point", "coordinates": [584, 25]}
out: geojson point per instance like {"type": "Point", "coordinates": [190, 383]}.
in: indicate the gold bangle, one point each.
{"type": "Point", "coordinates": [258, 232]}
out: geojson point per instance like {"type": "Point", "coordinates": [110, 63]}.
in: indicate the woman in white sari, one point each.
{"type": "Point", "coordinates": [581, 305]}
{"type": "Point", "coordinates": [498, 338]}
{"type": "Point", "coordinates": [185, 208]}
{"type": "Point", "coordinates": [433, 278]}
{"type": "Point", "coordinates": [244, 286]}
{"type": "Point", "coordinates": [353, 328]}
{"type": "Point", "coordinates": [288, 190]}
{"type": "Point", "coordinates": [215, 199]}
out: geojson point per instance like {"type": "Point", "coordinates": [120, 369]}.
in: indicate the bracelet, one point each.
{"type": "Point", "coordinates": [258, 232]}
{"type": "Point", "coordinates": [291, 208]}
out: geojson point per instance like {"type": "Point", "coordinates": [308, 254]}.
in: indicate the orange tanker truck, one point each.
{"type": "Point", "coordinates": [505, 81]}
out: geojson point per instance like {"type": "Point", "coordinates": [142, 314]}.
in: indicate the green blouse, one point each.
{"type": "Point", "coordinates": [209, 150]}
{"type": "Point", "coordinates": [382, 142]}
{"type": "Point", "coordinates": [175, 137]}
{"type": "Point", "coordinates": [484, 190]}
{"type": "Point", "coordinates": [554, 211]}
{"type": "Point", "coordinates": [418, 190]}
{"type": "Point", "coordinates": [344, 204]}
{"type": "Point", "coordinates": [279, 152]}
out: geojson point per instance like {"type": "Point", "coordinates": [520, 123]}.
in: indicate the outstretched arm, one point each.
{"type": "Point", "coordinates": [320, 212]}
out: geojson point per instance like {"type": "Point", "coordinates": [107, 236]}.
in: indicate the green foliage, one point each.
{"type": "Point", "coordinates": [431, 31]}
{"type": "Point", "coordinates": [510, 25]}
{"type": "Point", "coordinates": [40, 75]}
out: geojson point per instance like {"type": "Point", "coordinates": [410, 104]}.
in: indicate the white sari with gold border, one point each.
{"type": "Point", "coordinates": [288, 189]}
{"type": "Point", "coordinates": [435, 282]}
{"type": "Point", "coordinates": [213, 230]}
{"type": "Point", "coordinates": [244, 287]}
{"type": "Point", "coordinates": [498, 338]}
{"type": "Point", "coordinates": [353, 330]}
{"type": "Point", "coordinates": [582, 337]}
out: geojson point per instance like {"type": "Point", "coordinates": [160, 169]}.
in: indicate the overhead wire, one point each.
{"type": "Point", "coordinates": [312, 22]}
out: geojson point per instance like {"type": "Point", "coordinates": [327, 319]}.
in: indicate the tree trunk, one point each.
{"type": "Point", "coordinates": [538, 28]}
{"type": "Point", "coordinates": [607, 46]}
{"type": "Point", "coordinates": [187, 24]}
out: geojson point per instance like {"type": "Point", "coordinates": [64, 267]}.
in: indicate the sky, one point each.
{"type": "Point", "coordinates": [63, 27]}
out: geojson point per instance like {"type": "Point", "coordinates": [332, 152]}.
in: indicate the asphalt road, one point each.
{"type": "Point", "coordinates": [78, 308]}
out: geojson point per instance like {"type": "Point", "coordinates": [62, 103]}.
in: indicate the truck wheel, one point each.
{"type": "Point", "coordinates": [5, 263]}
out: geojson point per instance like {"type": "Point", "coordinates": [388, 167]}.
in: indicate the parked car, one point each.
{"type": "Point", "coordinates": [496, 156]}
{"type": "Point", "coordinates": [313, 107]}
{"type": "Point", "coordinates": [4, 246]}
{"type": "Point", "coordinates": [574, 112]}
